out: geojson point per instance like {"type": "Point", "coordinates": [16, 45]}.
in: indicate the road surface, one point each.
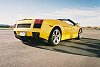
{"type": "Point", "coordinates": [69, 53]}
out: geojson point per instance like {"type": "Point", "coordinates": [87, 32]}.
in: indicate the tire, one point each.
{"type": "Point", "coordinates": [23, 39]}
{"type": "Point", "coordinates": [55, 37]}
{"type": "Point", "coordinates": [79, 34]}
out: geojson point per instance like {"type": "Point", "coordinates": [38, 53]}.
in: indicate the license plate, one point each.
{"type": "Point", "coordinates": [22, 33]}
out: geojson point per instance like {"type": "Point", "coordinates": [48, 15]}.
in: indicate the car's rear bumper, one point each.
{"type": "Point", "coordinates": [34, 35]}
{"type": "Point", "coordinates": [28, 31]}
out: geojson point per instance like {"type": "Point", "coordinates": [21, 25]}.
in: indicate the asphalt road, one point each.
{"type": "Point", "coordinates": [69, 53]}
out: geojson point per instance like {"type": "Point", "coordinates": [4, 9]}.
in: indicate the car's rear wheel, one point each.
{"type": "Point", "coordinates": [55, 37]}
{"type": "Point", "coordinates": [80, 34]}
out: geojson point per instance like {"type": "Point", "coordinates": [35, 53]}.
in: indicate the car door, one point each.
{"type": "Point", "coordinates": [72, 29]}
{"type": "Point", "coordinates": [66, 30]}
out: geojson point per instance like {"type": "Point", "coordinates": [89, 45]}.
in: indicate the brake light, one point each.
{"type": "Point", "coordinates": [38, 21]}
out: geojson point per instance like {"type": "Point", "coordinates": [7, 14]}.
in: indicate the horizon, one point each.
{"type": "Point", "coordinates": [86, 12]}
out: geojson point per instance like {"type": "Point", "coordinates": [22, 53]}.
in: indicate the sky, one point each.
{"type": "Point", "coordinates": [85, 12]}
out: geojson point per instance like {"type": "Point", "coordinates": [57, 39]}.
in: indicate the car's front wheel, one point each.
{"type": "Point", "coordinates": [55, 37]}
{"type": "Point", "coordinates": [79, 34]}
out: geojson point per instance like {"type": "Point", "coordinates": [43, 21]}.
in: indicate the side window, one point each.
{"type": "Point", "coordinates": [70, 23]}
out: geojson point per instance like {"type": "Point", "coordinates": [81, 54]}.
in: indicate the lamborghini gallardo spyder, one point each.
{"type": "Point", "coordinates": [51, 30]}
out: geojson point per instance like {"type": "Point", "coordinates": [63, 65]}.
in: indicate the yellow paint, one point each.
{"type": "Point", "coordinates": [68, 31]}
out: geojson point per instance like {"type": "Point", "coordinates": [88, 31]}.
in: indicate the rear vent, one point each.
{"type": "Point", "coordinates": [37, 25]}
{"type": "Point", "coordinates": [23, 25]}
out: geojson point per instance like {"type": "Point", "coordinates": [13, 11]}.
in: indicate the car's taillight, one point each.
{"type": "Point", "coordinates": [38, 21]}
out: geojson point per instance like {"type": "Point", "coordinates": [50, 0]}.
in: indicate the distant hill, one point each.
{"type": "Point", "coordinates": [4, 26]}
{"type": "Point", "coordinates": [91, 28]}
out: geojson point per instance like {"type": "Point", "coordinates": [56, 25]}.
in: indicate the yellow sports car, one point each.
{"type": "Point", "coordinates": [52, 30]}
